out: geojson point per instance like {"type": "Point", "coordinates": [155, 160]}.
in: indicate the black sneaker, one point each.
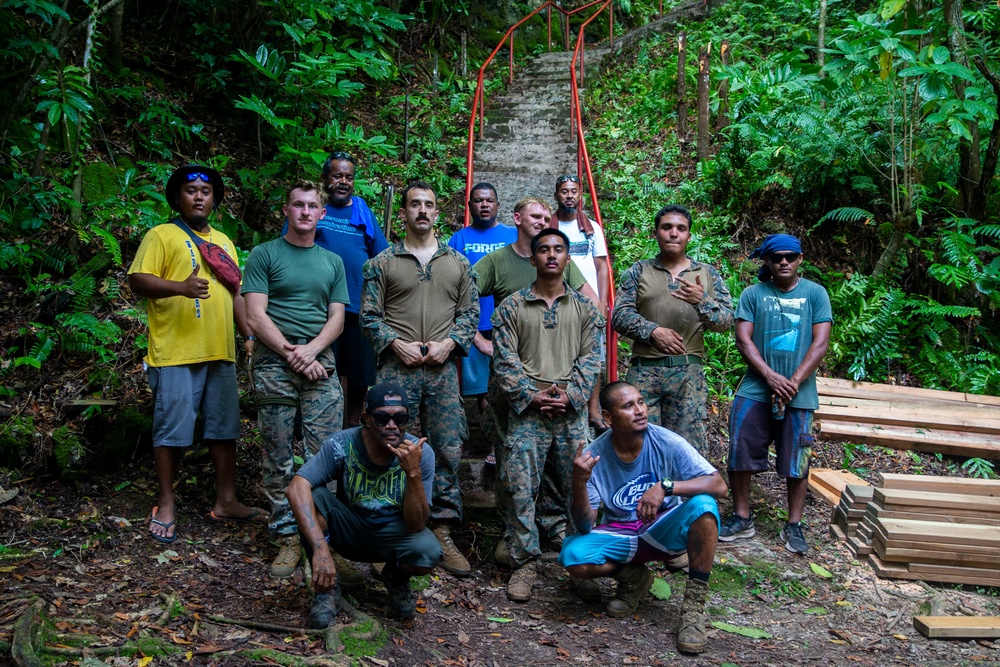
{"type": "Point", "coordinates": [795, 541]}
{"type": "Point", "coordinates": [402, 599]}
{"type": "Point", "coordinates": [325, 608]}
{"type": "Point", "coordinates": [737, 528]}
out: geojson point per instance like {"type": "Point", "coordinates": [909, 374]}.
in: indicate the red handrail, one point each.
{"type": "Point", "coordinates": [576, 124]}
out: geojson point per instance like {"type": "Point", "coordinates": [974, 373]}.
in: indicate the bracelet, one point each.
{"type": "Point", "coordinates": [251, 337]}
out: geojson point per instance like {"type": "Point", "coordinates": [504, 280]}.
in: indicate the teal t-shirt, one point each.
{"type": "Point", "coordinates": [300, 284]}
{"type": "Point", "coordinates": [782, 332]}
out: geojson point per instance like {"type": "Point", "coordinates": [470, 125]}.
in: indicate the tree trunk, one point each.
{"type": "Point", "coordinates": [900, 227]}
{"type": "Point", "coordinates": [969, 166]}
{"type": "Point", "coordinates": [821, 37]}
{"type": "Point", "coordinates": [703, 78]}
{"type": "Point", "coordinates": [682, 105]}
{"type": "Point", "coordinates": [977, 208]}
{"type": "Point", "coordinates": [722, 122]}
{"type": "Point", "coordinates": [115, 45]}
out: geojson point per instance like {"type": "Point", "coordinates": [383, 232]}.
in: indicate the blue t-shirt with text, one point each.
{"type": "Point", "coordinates": [475, 244]}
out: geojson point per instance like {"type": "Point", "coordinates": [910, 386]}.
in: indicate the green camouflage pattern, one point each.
{"type": "Point", "coordinates": [533, 442]}
{"type": "Point", "coordinates": [280, 392]}
{"type": "Point", "coordinates": [677, 399]}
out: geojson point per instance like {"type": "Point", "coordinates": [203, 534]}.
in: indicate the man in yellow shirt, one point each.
{"type": "Point", "coordinates": [191, 360]}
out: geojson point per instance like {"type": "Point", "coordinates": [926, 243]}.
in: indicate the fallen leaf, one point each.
{"type": "Point", "coordinates": [499, 619]}
{"type": "Point", "coordinates": [376, 661]}
{"type": "Point", "coordinates": [753, 633]}
{"type": "Point", "coordinates": [819, 611]}
{"type": "Point", "coordinates": [463, 638]}
{"type": "Point", "coordinates": [821, 571]}
{"type": "Point", "coordinates": [145, 661]}
{"type": "Point", "coordinates": [901, 637]}
{"type": "Point", "coordinates": [660, 589]}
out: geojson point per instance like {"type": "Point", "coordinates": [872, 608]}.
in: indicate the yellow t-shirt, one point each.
{"type": "Point", "coordinates": [182, 330]}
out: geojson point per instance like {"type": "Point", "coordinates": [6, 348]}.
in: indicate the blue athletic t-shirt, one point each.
{"type": "Point", "coordinates": [475, 244]}
{"type": "Point", "coordinates": [620, 485]}
{"type": "Point", "coordinates": [782, 333]}
{"type": "Point", "coordinates": [374, 493]}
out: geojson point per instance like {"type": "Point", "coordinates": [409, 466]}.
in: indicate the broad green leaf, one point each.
{"type": "Point", "coordinates": [818, 611]}
{"type": "Point", "coordinates": [939, 54]}
{"type": "Point", "coordinates": [891, 8]}
{"type": "Point", "coordinates": [821, 571]}
{"type": "Point", "coordinates": [499, 619]}
{"type": "Point", "coordinates": [753, 633]}
{"type": "Point", "coordinates": [959, 128]}
{"type": "Point", "coordinates": [298, 460]}
{"type": "Point", "coordinates": [660, 589]}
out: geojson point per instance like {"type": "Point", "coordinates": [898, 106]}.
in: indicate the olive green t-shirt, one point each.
{"type": "Point", "coordinates": [503, 272]}
{"type": "Point", "coordinates": [300, 284]}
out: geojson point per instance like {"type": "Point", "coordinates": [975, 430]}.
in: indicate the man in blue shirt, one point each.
{"type": "Point", "coordinates": [349, 229]}
{"type": "Point", "coordinates": [476, 241]}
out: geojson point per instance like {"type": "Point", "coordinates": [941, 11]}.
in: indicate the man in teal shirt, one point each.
{"type": "Point", "coordinates": [782, 330]}
{"type": "Point", "coordinates": [296, 294]}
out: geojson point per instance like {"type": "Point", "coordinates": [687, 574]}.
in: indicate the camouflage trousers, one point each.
{"type": "Point", "coordinates": [535, 473]}
{"type": "Point", "coordinates": [436, 404]}
{"type": "Point", "coordinates": [280, 393]}
{"type": "Point", "coordinates": [677, 398]}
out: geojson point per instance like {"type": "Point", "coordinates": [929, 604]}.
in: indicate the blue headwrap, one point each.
{"type": "Point", "coordinates": [775, 243]}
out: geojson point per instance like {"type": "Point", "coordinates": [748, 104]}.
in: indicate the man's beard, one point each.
{"type": "Point", "coordinates": [335, 199]}
{"type": "Point", "coordinates": [197, 221]}
{"type": "Point", "coordinates": [483, 223]}
{"type": "Point", "coordinates": [567, 209]}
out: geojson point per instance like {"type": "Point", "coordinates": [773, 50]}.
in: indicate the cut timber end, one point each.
{"type": "Point", "coordinates": [933, 484]}
{"type": "Point", "coordinates": [838, 387]}
{"type": "Point", "coordinates": [954, 443]}
{"type": "Point", "coordinates": [958, 627]}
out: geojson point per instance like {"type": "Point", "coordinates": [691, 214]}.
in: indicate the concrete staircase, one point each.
{"type": "Point", "coordinates": [527, 143]}
{"type": "Point", "coordinates": [526, 146]}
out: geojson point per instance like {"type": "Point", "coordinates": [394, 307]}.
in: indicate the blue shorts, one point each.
{"type": "Point", "coordinates": [752, 429]}
{"type": "Point", "coordinates": [634, 542]}
{"type": "Point", "coordinates": [181, 392]}
{"type": "Point", "coordinates": [475, 372]}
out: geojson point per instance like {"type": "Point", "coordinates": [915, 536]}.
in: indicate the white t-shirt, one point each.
{"type": "Point", "coordinates": [584, 249]}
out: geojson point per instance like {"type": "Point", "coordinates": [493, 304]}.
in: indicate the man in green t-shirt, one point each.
{"type": "Point", "coordinates": [296, 293]}
{"type": "Point", "coordinates": [782, 330]}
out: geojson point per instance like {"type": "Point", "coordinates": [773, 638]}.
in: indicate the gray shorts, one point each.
{"type": "Point", "coordinates": [180, 393]}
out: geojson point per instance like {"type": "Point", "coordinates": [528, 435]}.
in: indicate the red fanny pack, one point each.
{"type": "Point", "coordinates": [225, 269]}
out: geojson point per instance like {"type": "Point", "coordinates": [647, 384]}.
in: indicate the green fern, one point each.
{"type": "Point", "coordinates": [846, 214]}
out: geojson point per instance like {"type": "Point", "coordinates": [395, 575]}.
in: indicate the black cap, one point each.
{"type": "Point", "coordinates": [377, 396]}
{"type": "Point", "coordinates": [178, 178]}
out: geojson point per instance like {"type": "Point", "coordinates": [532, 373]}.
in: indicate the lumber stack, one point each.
{"type": "Point", "coordinates": [829, 484]}
{"type": "Point", "coordinates": [926, 420]}
{"type": "Point", "coordinates": [944, 529]}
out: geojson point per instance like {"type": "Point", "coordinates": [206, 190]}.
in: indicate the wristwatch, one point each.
{"type": "Point", "coordinates": [668, 486]}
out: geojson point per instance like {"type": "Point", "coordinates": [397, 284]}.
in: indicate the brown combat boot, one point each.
{"type": "Point", "coordinates": [451, 558]}
{"type": "Point", "coordinates": [691, 636]}
{"type": "Point", "coordinates": [633, 583]}
{"type": "Point", "coordinates": [521, 581]}
{"type": "Point", "coordinates": [285, 562]}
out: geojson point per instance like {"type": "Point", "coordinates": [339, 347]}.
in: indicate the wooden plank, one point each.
{"type": "Point", "coordinates": [964, 575]}
{"type": "Point", "coordinates": [830, 497]}
{"type": "Point", "coordinates": [829, 484]}
{"type": "Point", "coordinates": [936, 484]}
{"type": "Point", "coordinates": [958, 627]}
{"type": "Point", "coordinates": [882, 513]}
{"type": "Point", "coordinates": [929, 531]}
{"type": "Point", "coordinates": [954, 443]}
{"type": "Point", "coordinates": [903, 403]}
{"type": "Point", "coordinates": [890, 416]}
{"type": "Point", "coordinates": [943, 575]}
{"type": "Point", "coordinates": [838, 387]}
{"type": "Point", "coordinates": [921, 557]}
{"type": "Point", "coordinates": [940, 501]}
{"type": "Point", "coordinates": [836, 533]}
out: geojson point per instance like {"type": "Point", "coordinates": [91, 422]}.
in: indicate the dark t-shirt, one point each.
{"type": "Point", "coordinates": [373, 492]}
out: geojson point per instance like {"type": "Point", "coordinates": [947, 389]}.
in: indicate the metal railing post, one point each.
{"type": "Point", "coordinates": [510, 78]}
{"type": "Point", "coordinates": [548, 20]}
{"type": "Point", "coordinates": [611, 14]}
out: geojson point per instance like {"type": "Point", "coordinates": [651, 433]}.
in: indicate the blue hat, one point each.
{"type": "Point", "coordinates": [777, 243]}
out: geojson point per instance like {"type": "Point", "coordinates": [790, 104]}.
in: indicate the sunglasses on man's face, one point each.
{"type": "Point", "coordinates": [382, 419]}
{"type": "Point", "coordinates": [777, 257]}
{"type": "Point", "coordinates": [563, 179]}
{"type": "Point", "coordinates": [196, 175]}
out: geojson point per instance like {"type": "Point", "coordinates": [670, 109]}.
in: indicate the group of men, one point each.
{"type": "Point", "coordinates": [514, 317]}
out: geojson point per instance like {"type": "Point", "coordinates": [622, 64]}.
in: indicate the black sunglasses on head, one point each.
{"type": "Point", "coordinates": [563, 179]}
{"type": "Point", "coordinates": [340, 155]}
{"type": "Point", "coordinates": [382, 419]}
{"type": "Point", "coordinates": [776, 257]}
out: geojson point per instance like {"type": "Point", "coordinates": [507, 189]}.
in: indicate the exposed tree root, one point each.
{"type": "Point", "coordinates": [25, 634]}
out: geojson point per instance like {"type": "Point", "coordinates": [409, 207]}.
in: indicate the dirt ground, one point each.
{"type": "Point", "coordinates": [82, 547]}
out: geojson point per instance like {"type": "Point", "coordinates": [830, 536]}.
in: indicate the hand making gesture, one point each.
{"type": "Point", "coordinates": [583, 463]}
{"type": "Point", "coordinates": [690, 292]}
{"type": "Point", "coordinates": [409, 454]}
